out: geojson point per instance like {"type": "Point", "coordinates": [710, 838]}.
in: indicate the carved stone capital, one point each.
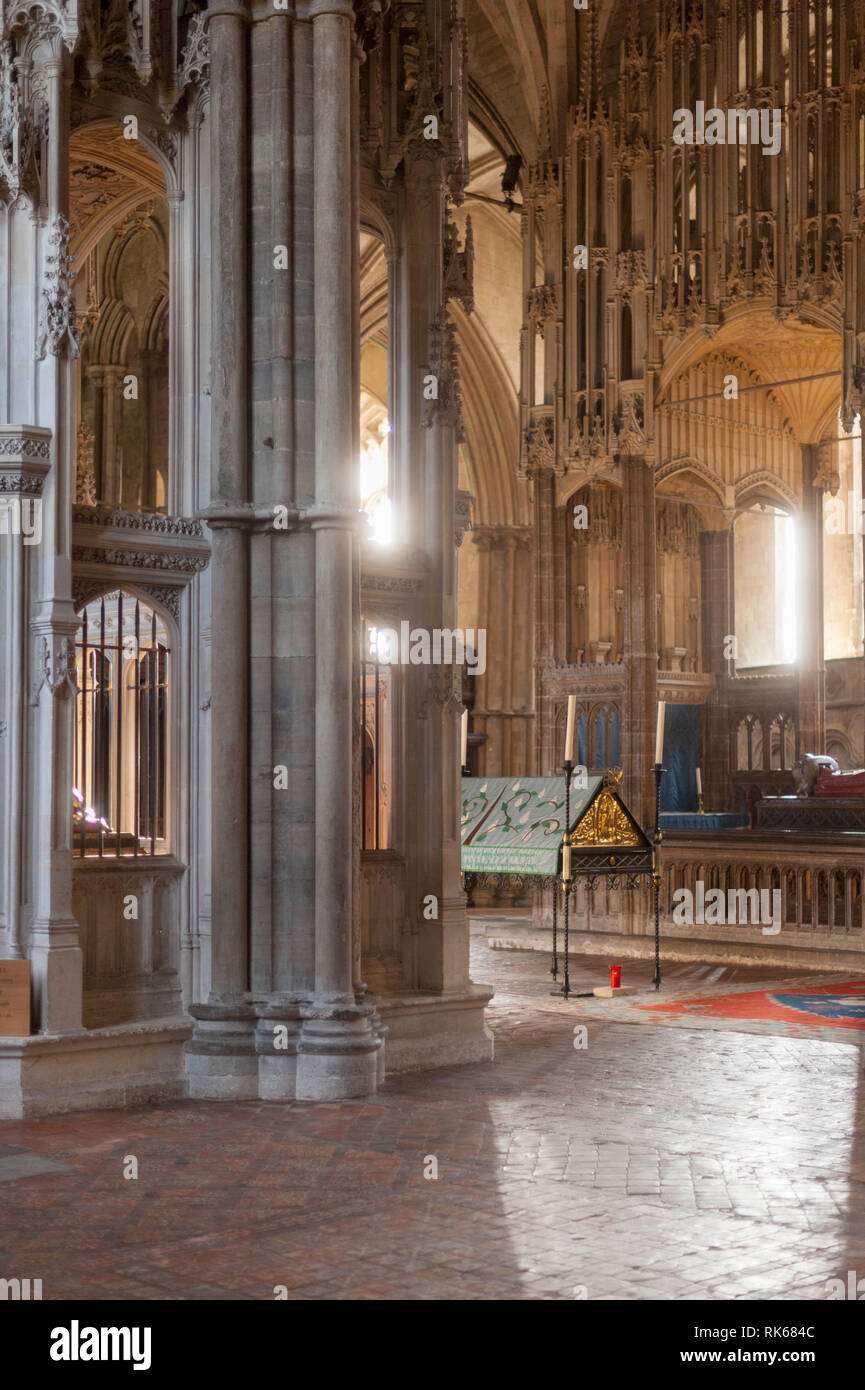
{"type": "Point", "coordinates": [25, 458]}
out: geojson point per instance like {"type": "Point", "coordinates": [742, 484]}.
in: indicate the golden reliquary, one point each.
{"type": "Point", "coordinates": [606, 822]}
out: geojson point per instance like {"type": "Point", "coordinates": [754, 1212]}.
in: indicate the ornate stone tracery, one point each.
{"type": "Point", "coordinates": [444, 368]}
{"type": "Point", "coordinates": [57, 327]}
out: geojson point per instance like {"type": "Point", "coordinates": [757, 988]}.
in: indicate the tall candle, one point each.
{"type": "Point", "coordinates": [569, 731]}
{"type": "Point", "coordinates": [659, 734]}
{"type": "Point", "coordinates": [566, 861]}
{"type": "Point", "coordinates": [699, 783]}
{"type": "Point", "coordinates": [465, 738]}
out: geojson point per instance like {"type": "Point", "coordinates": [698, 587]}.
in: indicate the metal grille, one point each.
{"type": "Point", "coordinates": [120, 805]}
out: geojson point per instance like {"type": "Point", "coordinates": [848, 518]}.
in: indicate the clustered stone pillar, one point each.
{"type": "Point", "coordinates": [24, 455]}
{"type": "Point", "coordinates": [55, 953]}
{"type": "Point", "coordinates": [230, 697]}
{"type": "Point", "coordinates": [425, 496]}
{"type": "Point", "coordinates": [338, 1046]}
{"type": "Point", "coordinates": [283, 1019]}
{"type": "Point", "coordinates": [222, 1059]}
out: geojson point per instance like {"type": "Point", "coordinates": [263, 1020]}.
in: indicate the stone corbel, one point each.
{"type": "Point", "coordinates": [462, 515]}
{"type": "Point", "coordinates": [826, 476]}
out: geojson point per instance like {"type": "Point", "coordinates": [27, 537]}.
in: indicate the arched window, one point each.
{"type": "Point", "coordinates": [121, 796]}
{"type": "Point", "coordinates": [749, 745]}
{"type": "Point", "coordinates": [376, 367]}
{"type": "Point", "coordinates": [120, 243]}
{"type": "Point", "coordinates": [782, 743]}
{"type": "Point", "coordinates": [766, 582]}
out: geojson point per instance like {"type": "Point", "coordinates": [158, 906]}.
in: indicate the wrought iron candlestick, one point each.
{"type": "Point", "coordinates": [656, 872]}
{"type": "Point", "coordinates": [566, 882]}
{"type": "Point", "coordinates": [566, 983]}
{"type": "Point", "coordinates": [554, 968]}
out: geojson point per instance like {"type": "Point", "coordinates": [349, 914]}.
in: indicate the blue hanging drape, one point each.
{"type": "Point", "coordinates": [681, 756]}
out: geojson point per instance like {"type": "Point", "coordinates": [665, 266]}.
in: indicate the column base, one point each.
{"type": "Point", "coordinates": [285, 1049]}
{"type": "Point", "coordinates": [221, 1061]}
{"type": "Point", "coordinates": [57, 976]}
{"type": "Point", "coordinates": [338, 1052]}
{"type": "Point", "coordinates": [437, 1030]}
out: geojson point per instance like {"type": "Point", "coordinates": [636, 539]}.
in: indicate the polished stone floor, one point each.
{"type": "Point", "coordinates": [653, 1163]}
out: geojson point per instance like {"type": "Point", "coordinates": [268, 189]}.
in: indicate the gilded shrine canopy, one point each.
{"type": "Point", "coordinates": [515, 825]}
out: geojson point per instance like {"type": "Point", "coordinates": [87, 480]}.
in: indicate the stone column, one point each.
{"type": "Point", "coordinates": [178, 479]}
{"type": "Point", "coordinates": [55, 954]}
{"type": "Point", "coordinates": [222, 1060]}
{"type": "Point", "coordinates": [227, 26]}
{"type": "Point", "coordinates": [337, 1049]}
{"type": "Point", "coordinates": [809, 658]}
{"type": "Point", "coordinates": [95, 374]}
{"type": "Point", "coordinates": [641, 642]}
{"type": "Point", "coordinates": [24, 455]}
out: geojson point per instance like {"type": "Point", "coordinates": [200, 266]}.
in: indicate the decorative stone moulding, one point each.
{"type": "Point", "coordinates": [159, 554]}
{"type": "Point", "coordinates": [57, 333]}
{"type": "Point", "coordinates": [25, 458]}
{"type": "Point", "coordinates": [390, 583]}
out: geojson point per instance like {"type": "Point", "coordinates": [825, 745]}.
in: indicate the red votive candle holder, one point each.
{"type": "Point", "coordinates": [615, 976]}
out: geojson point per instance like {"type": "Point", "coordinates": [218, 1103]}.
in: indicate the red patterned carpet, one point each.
{"type": "Point", "coordinates": [808, 1010]}
{"type": "Point", "coordinates": [754, 998]}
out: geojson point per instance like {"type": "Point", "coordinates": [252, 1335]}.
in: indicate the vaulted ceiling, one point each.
{"type": "Point", "coordinates": [109, 178]}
